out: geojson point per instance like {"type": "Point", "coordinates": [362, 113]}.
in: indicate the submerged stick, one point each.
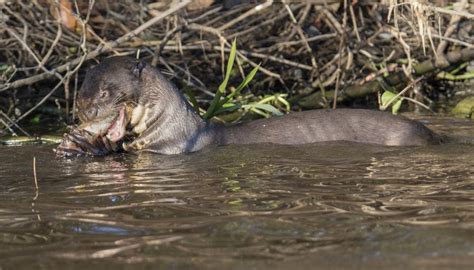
{"type": "Point", "coordinates": [36, 179]}
{"type": "Point", "coordinates": [34, 173]}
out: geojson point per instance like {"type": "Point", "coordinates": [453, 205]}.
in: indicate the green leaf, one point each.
{"type": "Point", "coordinates": [247, 79]}
{"type": "Point", "coordinates": [396, 106]}
{"type": "Point", "coordinates": [221, 90]}
{"type": "Point", "coordinates": [257, 111]}
{"type": "Point", "coordinates": [242, 85]}
{"type": "Point", "coordinates": [229, 108]}
{"type": "Point", "coordinates": [228, 104]}
{"type": "Point", "coordinates": [265, 107]}
{"type": "Point", "coordinates": [388, 96]}
{"type": "Point", "coordinates": [230, 64]}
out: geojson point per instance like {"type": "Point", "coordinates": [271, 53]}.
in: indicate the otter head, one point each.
{"type": "Point", "coordinates": [107, 94]}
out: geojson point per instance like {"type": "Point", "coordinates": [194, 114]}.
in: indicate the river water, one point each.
{"type": "Point", "coordinates": [321, 206]}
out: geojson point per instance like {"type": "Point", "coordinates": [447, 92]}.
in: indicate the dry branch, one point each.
{"type": "Point", "coordinates": [315, 51]}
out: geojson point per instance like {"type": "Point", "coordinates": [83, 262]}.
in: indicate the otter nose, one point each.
{"type": "Point", "coordinates": [88, 114]}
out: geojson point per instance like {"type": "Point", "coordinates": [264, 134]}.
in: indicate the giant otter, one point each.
{"type": "Point", "coordinates": [123, 96]}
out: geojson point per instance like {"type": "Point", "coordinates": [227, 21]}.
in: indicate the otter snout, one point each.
{"type": "Point", "coordinates": [86, 112]}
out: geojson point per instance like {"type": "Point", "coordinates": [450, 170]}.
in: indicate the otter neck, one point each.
{"type": "Point", "coordinates": [166, 123]}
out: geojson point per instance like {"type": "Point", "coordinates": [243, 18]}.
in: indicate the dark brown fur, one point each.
{"type": "Point", "coordinates": [164, 122]}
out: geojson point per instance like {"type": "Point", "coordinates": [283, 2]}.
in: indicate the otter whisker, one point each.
{"type": "Point", "coordinates": [119, 98]}
{"type": "Point", "coordinates": [123, 98]}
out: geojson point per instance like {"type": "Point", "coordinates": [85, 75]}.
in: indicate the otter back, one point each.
{"type": "Point", "coordinates": [364, 126]}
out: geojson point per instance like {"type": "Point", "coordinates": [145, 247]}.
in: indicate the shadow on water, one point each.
{"type": "Point", "coordinates": [336, 206]}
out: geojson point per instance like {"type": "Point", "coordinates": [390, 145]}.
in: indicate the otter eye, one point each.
{"type": "Point", "coordinates": [103, 93]}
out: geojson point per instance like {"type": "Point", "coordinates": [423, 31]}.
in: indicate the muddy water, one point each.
{"type": "Point", "coordinates": [321, 206]}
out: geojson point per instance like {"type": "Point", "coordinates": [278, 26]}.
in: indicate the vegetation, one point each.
{"type": "Point", "coordinates": [308, 55]}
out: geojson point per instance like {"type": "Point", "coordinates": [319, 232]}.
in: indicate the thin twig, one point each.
{"type": "Point", "coordinates": [98, 51]}
{"type": "Point", "coordinates": [339, 72]}
{"type": "Point", "coordinates": [13, 123]}
{"type": "Point", "coordinates": [408, 87]}
{"type": "Point", "coordinates": [252, 11]}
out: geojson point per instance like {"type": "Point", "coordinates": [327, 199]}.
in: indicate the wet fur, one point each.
{"type": "Point", "coordinates": [165, 123]}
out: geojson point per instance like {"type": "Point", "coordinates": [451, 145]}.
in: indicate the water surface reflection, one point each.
{"type": "Point", "coordinates": [335, 205]}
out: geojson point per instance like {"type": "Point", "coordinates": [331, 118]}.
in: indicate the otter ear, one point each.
{"type": "Point", "coordinates": [137, 69]}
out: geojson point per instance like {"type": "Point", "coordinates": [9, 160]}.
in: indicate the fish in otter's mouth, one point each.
{"type": "Point", "coordinates": [98, 136]}
{"type": "Point", "coordinates": [113, 126]}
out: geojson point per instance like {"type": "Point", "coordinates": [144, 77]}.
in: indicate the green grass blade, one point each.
{"type": "Point", "coordinates": [242, 85]}
{"type": "Point", "coordinates": [221, 90]}
{"type": "Point", "coordinates": [230, 108]}
{"type": "Point", "coordinates": [230, 64]}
